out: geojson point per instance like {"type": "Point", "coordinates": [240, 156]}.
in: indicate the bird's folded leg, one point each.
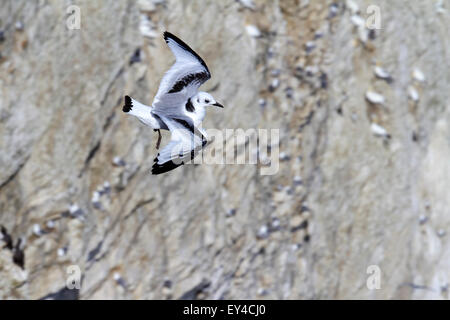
{"type": "Point", "coordinates": [159, 138]}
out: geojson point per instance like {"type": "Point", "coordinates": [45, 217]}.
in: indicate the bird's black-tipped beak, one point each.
{"type": "Point", "coordinates": [218, 105]}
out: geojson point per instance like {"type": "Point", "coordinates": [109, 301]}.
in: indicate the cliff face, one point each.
{"type": "Point", "coordinates": [363, 179]}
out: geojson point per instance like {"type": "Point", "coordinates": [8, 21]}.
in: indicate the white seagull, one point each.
{"type": "Point", "coordinates": [178, 106]}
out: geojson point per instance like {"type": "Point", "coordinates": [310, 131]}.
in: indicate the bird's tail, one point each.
{"type": "Point", "coordinates": [136, 108]}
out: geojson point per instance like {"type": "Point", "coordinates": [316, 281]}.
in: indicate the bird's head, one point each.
{"type": "Point", "coordinates": [204, 99]}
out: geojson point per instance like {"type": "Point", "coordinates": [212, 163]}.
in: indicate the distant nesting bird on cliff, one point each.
{"type": "Point", "coordinates": [6, 237]}
{"type": "Point", "coordinates": [18, 254]}
{"type": "Point", "coordinates": [178, 107]}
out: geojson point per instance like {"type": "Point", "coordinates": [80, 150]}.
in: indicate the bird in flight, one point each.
{"type": "Point", "coordinates": [178, 107]}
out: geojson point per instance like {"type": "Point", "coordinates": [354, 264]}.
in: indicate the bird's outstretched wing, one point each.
{"type": "Point", "coordinates": [182, 80]}
{"type": "Point", "coordinates": [185, 143]}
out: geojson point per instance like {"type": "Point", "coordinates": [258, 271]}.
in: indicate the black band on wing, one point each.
{"type": "Point", "coordinates": [161, 123]}
{"type": "Point", "coordinates": [185, 124]}
{"type": "Point", "coordinates": [168, 35]}
{"type": "Point", "coordinates": [158, 168]}
{"type": "Point", "coordinates": [191, 128]}
{"type": "Point", "coordinates": [199, 78]}
{"type": "Point", "coordinates": [167, 166]}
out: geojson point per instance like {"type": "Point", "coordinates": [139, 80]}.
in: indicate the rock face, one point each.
{"type": "Point", "coordinates": [363, 181]}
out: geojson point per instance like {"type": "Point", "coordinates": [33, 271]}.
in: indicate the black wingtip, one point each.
{"type": "Point", "coordinates": [181, 43]}
{"type": "Point", "coordinates": [165, 167]}
{"type": "Point", "coordinates": [167, 35]}
{"type": "Point", "coordinates": [128, 105]}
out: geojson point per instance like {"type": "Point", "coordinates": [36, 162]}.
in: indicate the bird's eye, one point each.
{"type": "Point", "coordinates": [198, 100]}
{"type": "Point", "coordinates": [207, 101]}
